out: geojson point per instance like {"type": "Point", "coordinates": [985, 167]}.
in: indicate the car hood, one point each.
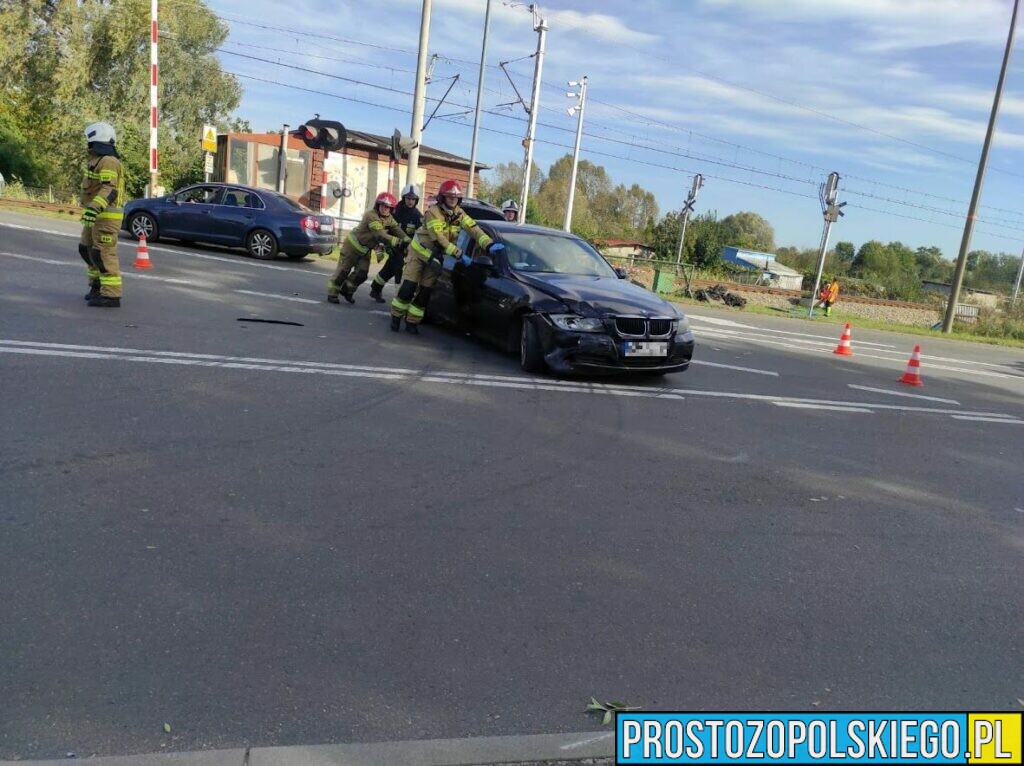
{"type": "Point", "coordinates": [595, 296]}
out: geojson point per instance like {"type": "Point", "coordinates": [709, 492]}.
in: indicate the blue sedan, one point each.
{"type": "Point", "coordinates": [263, 222]}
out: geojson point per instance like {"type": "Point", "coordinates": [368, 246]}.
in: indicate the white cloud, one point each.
{"type": "Point", "coordinates": [891, 24]}
{"type": "Point", "coordinates": [598, 25]}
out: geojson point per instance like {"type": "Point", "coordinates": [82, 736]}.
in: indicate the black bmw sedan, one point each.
{"type": "Point", "coordinates": [557, 302]}
{"type": "Point", "coordinates": [263, 222]}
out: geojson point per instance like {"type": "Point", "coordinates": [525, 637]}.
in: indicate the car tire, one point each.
{"type": "Point", "coordinates": [143, 222]}
{"type": "Point", "coordinates": [296, 256]}
{"type": "Point", "coordinates": [531, 355]}
{"type": "Point", "coordinates": [261, 244]}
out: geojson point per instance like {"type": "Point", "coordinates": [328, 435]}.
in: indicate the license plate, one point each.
{"type": "Point", "coordinates": [646, 348]}
{"type": "Point", "coordinates": [327, 225]}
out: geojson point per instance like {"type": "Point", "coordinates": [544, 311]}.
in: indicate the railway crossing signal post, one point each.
{"type": "Point", "coordinates": [691, 199]}
{"type": "Point", "coordinates": [828, 193]}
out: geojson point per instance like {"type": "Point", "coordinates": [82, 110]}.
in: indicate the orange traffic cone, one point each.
{"type": "Point", "coordinates": [844, 348]}
{"type": "Point", "coordinates": [142, 255]}
{"type": "Point", "coordinates": [912, 377]}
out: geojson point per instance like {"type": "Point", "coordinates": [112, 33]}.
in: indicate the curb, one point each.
{"type": "Point", "coordinates": [472, 751]}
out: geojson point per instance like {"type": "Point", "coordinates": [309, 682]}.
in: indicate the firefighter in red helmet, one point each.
{"type": "Point", "coordinates": [378, 227]}
{"type": "Point", "coordinates": [432, 242]}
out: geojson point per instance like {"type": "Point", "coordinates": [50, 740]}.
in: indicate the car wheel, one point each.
{"type": "Point", "coordinates": [261, 244]}
{"type": "Point", "coordinates": [531, 355]}
{"type": "Point", "coordinates": [296, 257]}
{"type": "Point", "coordinates": [143, 223]}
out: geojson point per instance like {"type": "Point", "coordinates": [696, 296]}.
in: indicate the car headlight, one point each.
{"type": "Point", "coordinates": [576, 323]}
{"type": "Point", "coordinates": [682, 325]}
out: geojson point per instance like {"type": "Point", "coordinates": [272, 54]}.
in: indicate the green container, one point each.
{"type": "Point", "coordinates": [664, 281]}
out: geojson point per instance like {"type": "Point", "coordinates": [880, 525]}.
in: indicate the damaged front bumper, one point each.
{"type": "Point", "coordinates": [602, 353]}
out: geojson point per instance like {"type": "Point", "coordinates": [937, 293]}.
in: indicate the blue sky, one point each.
{"type": "Point", "coordinates": [763, 97]}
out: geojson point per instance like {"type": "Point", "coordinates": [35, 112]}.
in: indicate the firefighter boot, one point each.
{"type": "Point", "coordinates": [94, 291]}
{"type": "Point", "coordinates": [103, 302]}
{"type": "Point", "coordinates": [412, 329]}
{"type": "Point", "coordinates": [396, 324]}
{"type": "Point", "coordinates": [346, 294]}
{"type": "Point", "coordinates": [375, 290]}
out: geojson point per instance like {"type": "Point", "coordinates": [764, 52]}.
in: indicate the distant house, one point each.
{"type": "Point", "coordinates": [343, 184]}
{"type": "Point", "coordinates": [775, 273]}
{"type": "Point", "coordinates": [625, 248]}
{"type": "Point", "coordinates": [977, 297]}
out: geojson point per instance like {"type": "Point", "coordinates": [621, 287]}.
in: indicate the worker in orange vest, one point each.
{"type": "Point", "coordinates": [829, 295]}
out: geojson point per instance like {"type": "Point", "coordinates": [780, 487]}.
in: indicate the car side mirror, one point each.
{"type": "Point", "coordinates": [486, 261]}
{"type": "Point", "coordinates": [621, 273]}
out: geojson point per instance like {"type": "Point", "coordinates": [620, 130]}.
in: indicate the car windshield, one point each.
{"type": "Point", "coordinates": [544, 253]}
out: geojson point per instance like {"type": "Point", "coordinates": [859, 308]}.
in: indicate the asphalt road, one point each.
{"type": "Point", "coordinates": [268, 534]}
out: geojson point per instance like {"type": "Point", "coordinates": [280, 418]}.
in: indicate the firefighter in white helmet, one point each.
{"type": "Point", "coordinates": [510, 210]}
{"type": "Point", "coordinates": [102, 198]}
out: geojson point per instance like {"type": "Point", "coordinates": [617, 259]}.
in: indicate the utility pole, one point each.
{"type": "Point", "coordinates": [282, 159]}
{"type": "Point", "coordinates": [972, 212]}
{"type": "Point", "coordinates": [154, 34]}
{"type": "Point", "coordinates": [828, 193]}
{"type": "Point", "coordinates": [540, 26]}
{"type": "Point", "coordinates": [1016, 286]}
{"type": "Point", "coordinates": [479, 98]}
{"type": "Point", "coordinates": [691, 198]}
{"type": "Point", "coordinates": [579, 106]}
{"type": "Point", "coordinates": [419, 96]}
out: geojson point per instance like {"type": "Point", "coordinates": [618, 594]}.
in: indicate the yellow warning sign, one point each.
{"type": "Point", "coordinates": [209, 138]}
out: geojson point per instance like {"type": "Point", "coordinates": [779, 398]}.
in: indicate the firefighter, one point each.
{"type": "Point", "coordinates": [409, 218]}
{"type": "Point", "coordinates": [102, 198]}
{"type": "Point", "coordinates": [432, 242]}
{"type": "Point", "coordinates": [510, 210]}
{"type": "Point", "coordinates": [377, 227]}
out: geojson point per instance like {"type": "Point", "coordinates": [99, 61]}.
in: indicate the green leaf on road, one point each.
{"type": "Point", "coordinates": [167, 728]}
{"type": "Point", "coordinates": [607, 718]}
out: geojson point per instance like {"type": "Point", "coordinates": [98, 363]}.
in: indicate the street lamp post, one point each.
{"type": "Point", "coordinates": [479, 96]}
{"type": "Point", "coordinates": [577, 109]}
{"type": "Point", "coordinates": [540, 26]}
{"type": "Point", "coordinates": [419, 96]}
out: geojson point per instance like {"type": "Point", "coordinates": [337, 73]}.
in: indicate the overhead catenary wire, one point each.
{"type": "Point", "coordinates": [645, 119]}
{"type": "Point", "coordinates": [1000, 223]}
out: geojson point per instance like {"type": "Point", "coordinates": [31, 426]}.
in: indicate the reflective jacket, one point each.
{"type": "Point", "coordinates": [440, 229]}
{"type": "Point", "coordinates": [409, 218]}
{"type": "Point", "coordinates": [103, 185]}
{"type": "Point", "coordinates": [831, 292]}
{"type": "Point", "coordinates": [373, 230]}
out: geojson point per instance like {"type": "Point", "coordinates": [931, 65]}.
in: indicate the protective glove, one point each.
{"type": "Point", "coordinates": [457, 252]}
{"type": "Point", "coordinates": [380, 255]}
{"type": "Point", "coordinates": [465, 260]}
{"type": "Point", "coordinates": [89, 216]}
{"type": "Point", "coordinates": [495, 247]}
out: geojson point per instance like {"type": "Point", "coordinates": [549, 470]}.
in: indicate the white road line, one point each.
{"type": "Point", "coordinates": [903, 393]}
{"type": "Point", "coordinates": [132, 274]}
{"type": "Point", "coordinates": [829, 408]}
{"type": "Point", "coordinates": [275, 295]}
{"type": "Point", "coordinates": [983, 419]}
{"type": "Point", "coordinates": [734, 367]}
{"type": "Point", "coordinates": [805, 346]}
{"type": "Point", "coordinates": [240, 261]}
{"type": "Point", "coordinates": [774, 331]}
{"type": "Point", "coordinates": [12, 346]}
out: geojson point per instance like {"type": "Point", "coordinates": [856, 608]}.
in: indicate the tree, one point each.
{"type": "Point", "coordinates": [505, 181]}
{"type": "Point", "coordinates": [845, 252]}
{"type": "Point", "coordinates": [70, 63]}
{"type": "Point", "coordinates": [749, 231]}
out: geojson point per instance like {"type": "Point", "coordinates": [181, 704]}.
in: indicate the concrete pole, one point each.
{"type": "Point", "coordinates": [979, 179]}
{"type": "Point", "coordinates": [567, 224]}
{"type": "Point", "coordinates": [419, 97]}
{"type": "Point", "coordinates": [282, 159]}
{"type": "Point", "coordinates": [821, 264]}
{"type": "Point", "coordinates": [479, 98]}
{"type": "Point", "coordinates": [682, 234]}
{"type": "Point", "coordinates": [829, 196]}
{"type": "Point", "coordinates": [1016, 286]}
{"type": "Point", "coordinates": [540, 26]}
{"type": "Point", "coordinates": [154, 35]}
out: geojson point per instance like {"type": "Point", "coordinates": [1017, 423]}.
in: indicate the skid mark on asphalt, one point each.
{"type": "Point", "coordinates": [149, 356]}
